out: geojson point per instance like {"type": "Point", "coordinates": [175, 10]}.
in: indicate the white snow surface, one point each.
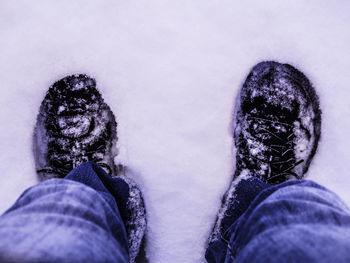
{"type": "Point", "coordinates": [170, 71]}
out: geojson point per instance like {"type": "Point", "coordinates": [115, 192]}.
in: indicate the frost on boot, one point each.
{"type": "Point", "coordinates": [277, 123]}
{"type": "Point", "coordinates": [74, 125]}
{"type": "Point", "coordinates": [132, 210]}
{"type": "Point", "coordinates": [136, 222]}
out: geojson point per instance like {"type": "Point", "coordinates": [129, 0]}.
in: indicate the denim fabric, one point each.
{"type": "Point", "coordinates": [75, 219]}
{"type": "Point", "coordinates": [296, 221]}
{"type": "Point", "coordinates": [244, 193]}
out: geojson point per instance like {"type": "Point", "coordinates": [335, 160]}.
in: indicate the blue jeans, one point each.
{"type": "Point", "coordinates": [79, 219]}
{"type": "Point", "coordinates": [75, 219]}
{"type": "Point", "coordinates": [296, 221]}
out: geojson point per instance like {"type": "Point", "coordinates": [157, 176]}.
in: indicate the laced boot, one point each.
{"type": "Point", "coordinates": [75, 125]}
{"type": "Point", "coordinates": [277, 126]}
{"type": "Point", "coordinates": [278, 123]}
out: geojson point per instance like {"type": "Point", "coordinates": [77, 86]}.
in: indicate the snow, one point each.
{"type": "Point", "coordinates": [170, 70]}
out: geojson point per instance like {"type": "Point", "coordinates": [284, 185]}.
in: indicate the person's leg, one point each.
{"type": "Point", "coordinates": [89, 215]}
{"type": "Point", "coordinates": [277, 126]}
{"type": "Point", "coordinates": [74, 219]}
{"type": "Point", "coordinates": [295, 221]}
{"type": "Point", "coordinates": [243, 193]}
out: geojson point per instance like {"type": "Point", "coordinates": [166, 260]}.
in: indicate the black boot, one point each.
{"type": "Point", "coordinates": [75, 125]}
{"type": "Point", "coordinates": [277, 126]}
{"type": "Point", "coordinates": [277, 123]}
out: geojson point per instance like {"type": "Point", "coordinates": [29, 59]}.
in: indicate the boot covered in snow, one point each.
{"type": "Point", "coordinates": [277, 123]}
{"type": "Point", "coordinates": [75, 125]}
{"type": "Point", "coordinates": [277, 126]}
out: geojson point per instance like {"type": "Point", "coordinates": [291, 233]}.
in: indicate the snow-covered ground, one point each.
{"type": "Point", "coordinates": [170, 70]}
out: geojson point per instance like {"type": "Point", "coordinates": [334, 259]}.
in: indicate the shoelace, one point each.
{"type": "Point", "coordinates": [279, 166]}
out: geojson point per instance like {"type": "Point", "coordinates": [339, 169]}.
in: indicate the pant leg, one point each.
{"type": "Point", "coordinates": [75, 219]}
{"type": "Point", "coordinates": [296, 221]}
{"type": "Point", "coordinates": [245, 192]}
